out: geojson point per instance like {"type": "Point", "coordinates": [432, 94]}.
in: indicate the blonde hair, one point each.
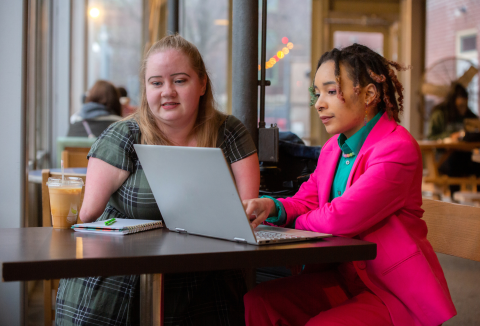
{"type": "Point", "coordinates": [208, 119]}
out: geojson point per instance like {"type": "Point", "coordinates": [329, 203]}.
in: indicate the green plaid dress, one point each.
{"type": "Point", "coordinates": [200, 298]}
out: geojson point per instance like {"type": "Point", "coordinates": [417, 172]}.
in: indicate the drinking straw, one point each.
{"type": "Point", "coordinates": [63, 176]}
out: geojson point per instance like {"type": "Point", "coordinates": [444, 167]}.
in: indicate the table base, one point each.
{"type": "Point", "coordinates": [151, 299]}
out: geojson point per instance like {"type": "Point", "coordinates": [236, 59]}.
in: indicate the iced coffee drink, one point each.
{"type": "Point", "coordinates": [65, 197]}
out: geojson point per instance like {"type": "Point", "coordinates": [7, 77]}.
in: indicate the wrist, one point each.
{"type": "Point", "coordinates": [273, 208]}
{"type": "Point", "coordinates": [277, 215]}
{"type": "Point", "coordinates": [273, 211]}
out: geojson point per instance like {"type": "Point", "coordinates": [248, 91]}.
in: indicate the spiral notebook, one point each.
{"type": "Point", "coordinates": [121, 226]}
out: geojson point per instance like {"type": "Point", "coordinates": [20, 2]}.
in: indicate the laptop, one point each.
{"type": "Point", "coordinates": [472, 130]}
{"type": "Point", "coordinates": [196, 194]}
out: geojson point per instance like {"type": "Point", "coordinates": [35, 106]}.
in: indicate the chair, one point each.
{"type": "Point", "coordinates": [453, 229]}
{"type": "Point", "coordinates": [50, 286]}
{"type": "Point", "coordinates": [75, 157]}
{"type": "Point", "coordinates": [64, 142]}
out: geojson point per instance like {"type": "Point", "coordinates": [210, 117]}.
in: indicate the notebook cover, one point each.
{"type": "Point", "coordinates": [121, 226]}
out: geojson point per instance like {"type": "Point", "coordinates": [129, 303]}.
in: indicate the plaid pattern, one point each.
{"type": "Point", "coordinates": [98, 301]}
{"type": "Point", "coordinates": [200, 298]}
{"type": "Point", "coordinates": [234, 140]}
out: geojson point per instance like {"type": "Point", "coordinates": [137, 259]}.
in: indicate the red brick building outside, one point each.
{"type": "Point", "coordinates": [452, 31]}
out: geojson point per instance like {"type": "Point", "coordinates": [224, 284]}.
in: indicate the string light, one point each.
{"type": "Point", "coordinates": [280, 54]}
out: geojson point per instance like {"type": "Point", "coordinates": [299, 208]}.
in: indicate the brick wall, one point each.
{"type": "Point", "coordinates": [443, 23]}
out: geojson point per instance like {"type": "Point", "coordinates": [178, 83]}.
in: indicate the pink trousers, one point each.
{"type": "Point", "coordinates": [324, 298]}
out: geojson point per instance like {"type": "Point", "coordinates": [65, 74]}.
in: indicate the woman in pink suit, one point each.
{"type": "Point", "coordinates": [367, 185]}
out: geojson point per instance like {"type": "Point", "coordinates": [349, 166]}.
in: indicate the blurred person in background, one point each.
{"type": "Point", "coordinates": [127, 109]}
{"type": "Point", "coordinates": [101, 109]}
{"type": "Point", "coordinates": [447, 122]}
{"type": "Point", "coordinates": [446, 119]}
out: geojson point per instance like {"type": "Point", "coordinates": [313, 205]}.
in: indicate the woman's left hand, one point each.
{"type": "Point", "coordinates": [259, 209]}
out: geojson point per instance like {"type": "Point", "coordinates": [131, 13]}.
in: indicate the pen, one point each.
{"type": "Point", "coordinates": [110, 222]}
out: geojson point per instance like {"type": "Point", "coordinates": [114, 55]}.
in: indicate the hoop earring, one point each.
{"type": "Point", "coordinates": [366, 112]}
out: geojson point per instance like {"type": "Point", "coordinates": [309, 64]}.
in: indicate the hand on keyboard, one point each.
{"type": "Point", "coordinates": [259, 209]}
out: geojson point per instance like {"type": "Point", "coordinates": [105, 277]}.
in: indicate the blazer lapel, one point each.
{"type": "Point", "coordinates": [383, 128]}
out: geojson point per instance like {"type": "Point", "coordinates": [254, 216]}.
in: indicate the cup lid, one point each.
{"type": "Point", "coordinates": [68, 182]}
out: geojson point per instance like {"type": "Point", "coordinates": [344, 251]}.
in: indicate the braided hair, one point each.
{"type": "Point", "coordinates": [365, 66]}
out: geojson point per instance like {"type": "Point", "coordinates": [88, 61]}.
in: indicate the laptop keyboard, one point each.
{"type": "Point", "coordinates": [269, 235]}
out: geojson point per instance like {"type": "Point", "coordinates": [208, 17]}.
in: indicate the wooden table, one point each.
{"type": "Point", "coordinates": [46, 253]}
{"type": "Point", "coordinates": [428, 147]}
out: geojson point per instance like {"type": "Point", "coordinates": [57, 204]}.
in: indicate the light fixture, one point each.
{"type": "Point", "coordinates": [94, 12]}
{"type": "Point", "coordinates": [221, 22]}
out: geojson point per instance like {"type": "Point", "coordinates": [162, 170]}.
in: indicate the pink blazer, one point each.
{"type": "Point", "coordinates": [381, 204]}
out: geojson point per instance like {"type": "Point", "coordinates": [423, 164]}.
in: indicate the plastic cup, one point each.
{"type": "Point", "coordinates": [65, 200]}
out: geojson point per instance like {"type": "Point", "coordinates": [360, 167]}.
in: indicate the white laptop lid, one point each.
{"type": "Point", "coordinates": [195, 191]}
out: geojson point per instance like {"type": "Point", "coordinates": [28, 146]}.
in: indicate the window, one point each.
{"type": "Point", "coordinates": [115, 43]}
{"type": "Point", "coordinates": [373, 40]}
{"type": "Point", "coordinates": [466, 49]}
{"type": "Point", "coordinates": [205, 24]}
{"type": "Point", "coordinates": [468, 43]}
{"type": "Point", "coordinates": [288, 51]}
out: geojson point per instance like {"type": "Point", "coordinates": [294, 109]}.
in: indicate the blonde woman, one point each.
{"type": "Point", "coordinates": [177, 108]}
